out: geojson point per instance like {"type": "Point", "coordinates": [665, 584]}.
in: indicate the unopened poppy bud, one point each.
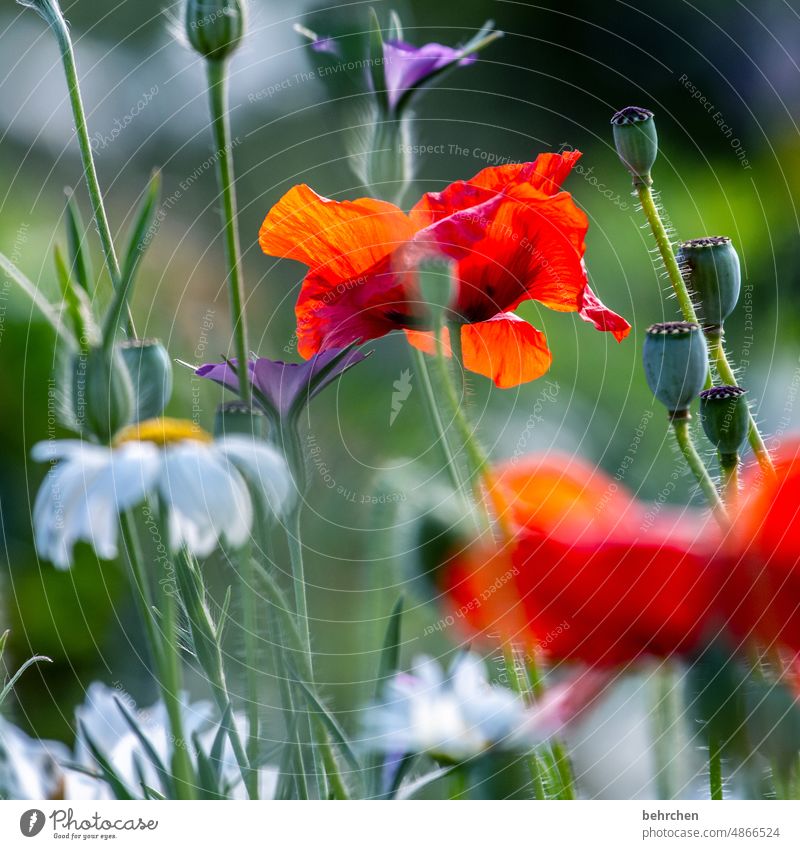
{"type": "Point", "coordinates": [436, 288]}
{"type": "Point", "coordinates": [215, 27]}
{"type": "Point", "coordinates": [675, 363]}
{"type": "Point", "coordinates": [723, 410]}
{"type": "Point", "coordinates": [150, 370]}
{"type": "Point", "coordinates": [636, 141]}
{"type": "Point", "coordinates": [235, 417]}
{"type": "Point", "coordinates": [102, 394]}
{"type": "Point", "coordinates": [710, 268]}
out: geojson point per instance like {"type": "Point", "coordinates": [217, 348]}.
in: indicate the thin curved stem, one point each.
{"type": "Point", "coordinates": [451, 461]}
{"type": "Point", "coordinates": [59, 27]}
{"type": "Point", "coordinates": [217, 72]}
{"type": "Point", "coordinates": [698, 469]}
{"type": "Point", "coordinates": [714, 769]}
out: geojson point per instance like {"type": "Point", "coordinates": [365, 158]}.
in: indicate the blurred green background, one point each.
{"type": "Point", "coordinates": [554, 80]}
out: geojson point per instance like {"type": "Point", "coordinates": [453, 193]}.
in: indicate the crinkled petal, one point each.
{"type": "Point", "coordinates": [505, 348]}
{"type": "Point", "coordinates": [338, 240]}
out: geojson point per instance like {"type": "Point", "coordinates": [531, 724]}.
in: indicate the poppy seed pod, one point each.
{"type": "Point", "coordinates": [710, 268]}
{"type": "Point", "coordinates": [214, 27]}
{"type": "Point", "coordinates": [102, 394]}
{"type": "Point", "coordinates": [636, 141]}
{"type": "Point", "coordinates": [235, 417]}
{"type": "Point", "coordinates": [723, 410]}
{"type": "Point", "coordinates": [675, 363]}
{"type": "Point", "coordinates": [150, 370]}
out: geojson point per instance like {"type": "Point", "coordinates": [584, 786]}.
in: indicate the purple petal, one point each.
{"type": "Point", "coordinates": [222, 374]}
{"type": "Point", "coordinates": [406, 65]}
{"type": "Point", "coordinates": [325, 44]}
{"type": "Point", "coordinates": [284, 384]}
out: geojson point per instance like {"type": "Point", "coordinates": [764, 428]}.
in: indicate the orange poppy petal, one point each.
{"type": "Point", "coordinates": [336, 239]}
{"type": "Point", "coordinates": [505, 348]}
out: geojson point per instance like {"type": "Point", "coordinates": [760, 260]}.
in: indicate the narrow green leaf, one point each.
{"type": "Point", "coordinates": [376, 61]}
{"type": "Point", "coordinates": [412, 788]}
{"type": "Point", "coordinates": [390, 653]}
{"type": "Point", "coordinates": [137, 244]}
{"type": "Point", "coordinates": [147, 746]}
{"type": "Point", "coordinates": [18, 674]}
{"type": "Point", "coordinates": [3, 641]}
{"type": "Point", "coordinates": [106, 770]}
{"type": "Point", "coordinates": [395, 27]}
{"type": "Point", "coordinates": [152, 794]}
{"type": "Point", "coordinates": [48, 311]}
{"type": "Point", "coordinates": [80, 264]}
{"type": "Point", "coordinates": [76, 303]}
{"type": "Point", "coordinates": [331, 724]}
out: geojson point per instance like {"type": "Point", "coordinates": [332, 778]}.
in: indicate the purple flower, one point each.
{"type": "Point", "coordinates": [406, 66]}
{"type": "Point", "coordinates": [282, 389]}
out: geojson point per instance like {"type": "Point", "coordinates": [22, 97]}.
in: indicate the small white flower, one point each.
{"type": "Point", "coordinates": [28, 767]}
{"type": "Point", "coordinates": [200, 483]}
{"type": "Point", "coordinates": [450, 716]}
{"type": "Point", "coordinates": [101, 716]}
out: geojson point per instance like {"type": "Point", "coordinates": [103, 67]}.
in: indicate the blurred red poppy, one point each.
{"type": "Point", "coordinates": [589, 575]}
{"type": "Point", "coordinates": [514, 235]}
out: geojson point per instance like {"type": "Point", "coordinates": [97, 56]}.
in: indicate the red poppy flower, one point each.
{"type": "Point", "coordinates": [589, 575]}
{"type": "Point", "coordinates": [761, 590]}
{"type": "Point", "coordinates": [514, 235]}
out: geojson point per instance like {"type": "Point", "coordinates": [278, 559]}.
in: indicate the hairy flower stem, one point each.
{"type": "Point", "coordinates": [164, 650]}
{"type": "Point", "coordinates": [61, 31]}
{"type": "Point", "coordinates": [518, 685]}
{"type": "Point", "coordinates": [685, 442]}
{"type": "Point", "coordinates": [716, 352]}
{"type": "Point", "coordinates": [719, 359]}
{"type": "Point", "coordinates": [206, 643]}
{"type": "Point", "coordinates": [729, 466]}
{"type": "Point", "coordinates": [217, 72]}
{"type": "Point", "coordinates": [714, 769]}
{"type": "Point", "coordinates": [645, 193]}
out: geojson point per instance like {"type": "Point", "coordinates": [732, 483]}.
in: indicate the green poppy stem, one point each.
{"type": "Point", "coordinates": [685, 442]}
{"type": "Point", "coordinates": [714, 769]}
{"type": "Point", "coordinates": [716, 352]}
{"type": "Point", "coordinates": [719, 359]}
{"type": "Point", "coordinates": [217, 73]}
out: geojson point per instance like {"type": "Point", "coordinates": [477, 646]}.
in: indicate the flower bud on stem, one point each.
{"type": "Point", "coordinates": [637, 144]}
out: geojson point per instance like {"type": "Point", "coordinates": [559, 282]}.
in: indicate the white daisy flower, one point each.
{"type": "Point", "coordinates": [102, 718]}
{"type": "Point", "coordinates": [456, 715]}
{"type": "Point", "coordinates": [451, 716]}
{"type": "Point", "coordinates": [200, 483]}
{"type": "Point", "coordinates": [29, 767]}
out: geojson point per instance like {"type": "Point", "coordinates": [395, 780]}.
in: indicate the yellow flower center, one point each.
{"type": "Point", "coordinates": [162, 431]}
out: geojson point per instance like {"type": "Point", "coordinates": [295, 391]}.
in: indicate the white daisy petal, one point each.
{"type": "Point", "coordinates": [206, 498]}
{"type": "Point", "coordinates": [264, 468]}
